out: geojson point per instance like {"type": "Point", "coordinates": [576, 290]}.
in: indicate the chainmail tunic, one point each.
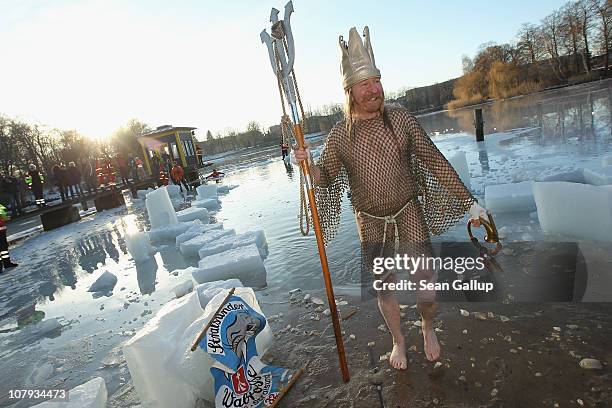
{"type": "Point", "coordinates": [386, 162]}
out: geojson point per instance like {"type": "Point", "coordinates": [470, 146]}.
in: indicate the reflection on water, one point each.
{"type": "Point", "coordinates": [580, 113]}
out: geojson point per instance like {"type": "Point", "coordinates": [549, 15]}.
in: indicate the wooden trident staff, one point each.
{"type": "Point", "coordinates": [282, 54]}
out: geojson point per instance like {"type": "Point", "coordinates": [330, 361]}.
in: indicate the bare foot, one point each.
{"type": "Point", "coordinates": [397, 359]}
{"type": "Point", "coordinates": [431, 345]}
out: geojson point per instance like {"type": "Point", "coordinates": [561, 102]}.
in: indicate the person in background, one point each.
{"type": "Point", "coordinates": [178, 176]}
{"type": "Point", "coordinates": [165, 159]}
{"type": "Point", "coordinates": [163, 179]}
{"type": "Point", "coordinates": [155, 163]}
{"type": "Point", "coordinates": [35, 181]}
{"type": "Point", "coordinates": [74, 175]}
{"type": "Point", "coordinates": [132, 166]}
{"type": "Point", "coordinates": [60, 181]}
{"type": "Point", "coordinates": [215, 175]}
{"type": "Point", "coordinates": [22, 187]}
{"type": "Point", "coordinates": [284, 149]}
{"type": "Point", "coordinates": [88, 172]}
{"type": "Point", "coordinates": [4, 248]}
{"type": "Point", "coordinates": [12, 189]}
{"type": "Point", "coordinates": [123, 168]}
{"type": "Point", "coordinates": [140, 171]}
{"type": "Point", "coordinates": [109, 171]}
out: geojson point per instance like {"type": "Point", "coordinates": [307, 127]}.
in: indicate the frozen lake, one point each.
{"type": "Point", "coordinates": [528, 138]}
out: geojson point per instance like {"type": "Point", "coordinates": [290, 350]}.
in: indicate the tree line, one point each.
{"type": "Point", "coordinates": [22, 144]}
{"type": "Point", "coordinates": [570, 45]}
{"type": "Point", "coordinates": [315, 120]}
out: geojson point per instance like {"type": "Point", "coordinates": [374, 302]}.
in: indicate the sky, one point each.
{"type": "Point", "coordinates": [92, 65]}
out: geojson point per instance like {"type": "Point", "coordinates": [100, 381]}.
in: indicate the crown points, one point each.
{"type": "Point", "coordinates": [357, 58]}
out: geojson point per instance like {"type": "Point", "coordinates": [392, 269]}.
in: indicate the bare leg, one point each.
{"type": "Point", "coordinates": [430, 341]}
{"type": "Point", "coordinates": [389, 307]}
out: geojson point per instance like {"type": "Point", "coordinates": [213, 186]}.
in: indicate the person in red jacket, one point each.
{"type": "Point", "coordinates": [178, 176]}
{"type": "Point", "coordinates": [4, 252]}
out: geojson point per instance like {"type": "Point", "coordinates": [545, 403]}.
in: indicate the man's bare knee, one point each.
{"type": "Point", "coordinates": [427, 310]}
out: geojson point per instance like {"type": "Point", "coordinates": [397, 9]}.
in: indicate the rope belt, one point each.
{"type": "Point", "coordinates": [390, 219]}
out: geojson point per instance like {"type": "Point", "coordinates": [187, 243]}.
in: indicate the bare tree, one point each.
{"type": "Point", "coordinates": [550, 32]}
{"type": "Point", "coordinates": [570, 32]}
{"type": "Point", "coordinates": [586, 17]}
{"type": "Point", "coordinates": [528, 44]}
{"type": "Point", "coordinates": [603, 14]}
{"type": "Point", "coordinates": [466, 64]}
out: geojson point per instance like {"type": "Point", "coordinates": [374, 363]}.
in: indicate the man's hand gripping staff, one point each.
{"type": "Point", "coordinates": [281, 51]}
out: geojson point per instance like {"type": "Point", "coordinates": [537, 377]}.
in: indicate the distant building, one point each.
{"type": "Point", "coordinates": [179, 143]}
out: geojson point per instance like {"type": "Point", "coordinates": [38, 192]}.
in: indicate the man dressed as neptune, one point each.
{"type": "Point", "coordinates": [403, 190]}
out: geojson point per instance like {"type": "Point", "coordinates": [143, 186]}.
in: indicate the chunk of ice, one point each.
{"type": "Point", "coordinates": [193, 213]}
{"type": "Point", "coordinates": [46, 326]}
{"type": "Point", "coordinates": [208, 290]}
{"type": "Point", "coordinates": [257, 237]}
{"type": "Point", "coordinates": [182, 289]}
{"type": "Point", "coordinates": [160, 209]}
{"type": "Point", "coordinates": [243, 263]}
{"type": "Point", "coordinates": [139, 246]}
{"type": "Point", "coordinates": [105, 283]}
{"type": "Point", "coordinates": [194, 367]}
{"type": "Point", "coordinates": [574, 176]}
{"type": "Point", "coordinates": [142, 194]}
{"type": "Point", "coordinates": [196, 229]}
{"type": "Point", "coordinates": [149, 353]}
{"type": "Point", "coordinates": [225, 189]}
{"type": "Point", "coordinates": [173, 190]}
{"type": "Point", "coordinates": [208, 203]}
{"type": "Point", "coordinates": [573, 209]}
{"type": "Point", "coordinates": [510, 197]}
{"type": "Point", "coordinates": [598, 177]}
{"type": "Point", "coordinates": [220, 245]}
{"type": "Point", "coordinates": [191, 247]}
{"type": "Point", "coordinates": [184, 271]}
{"type": "Point", "coordinates": [459, 163]}
{"type": "Point", "coordinates": [207, 191]}
{"type": "Point", "coordinates": [92, 394]}
{"type": "Point", "coordinates": [168, 232]}
{"type": "Point", "coordinates": [606, 161]}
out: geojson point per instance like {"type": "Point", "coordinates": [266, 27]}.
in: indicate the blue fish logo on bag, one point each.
{"type": "Point", "coordinates": [241, 378]}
